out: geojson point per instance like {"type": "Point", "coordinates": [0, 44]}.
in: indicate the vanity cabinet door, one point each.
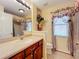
{"type": "Point", "coordinates": [29, 56]}
{"type": "Point", "coordinates": [18, 56]}
{"type": "Point", "coordinates": [38, 53]}
{"type": "Point", "coordinates": [33, 52]}
{"type": "Point", "coordinates": [41, 47]}
{"type": "Point", "coordinates": [30, 49]}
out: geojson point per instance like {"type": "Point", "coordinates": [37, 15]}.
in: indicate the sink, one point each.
{"type": "Point", "coordinates": [28, 41]}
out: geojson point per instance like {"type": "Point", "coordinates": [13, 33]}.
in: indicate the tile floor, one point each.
{"type": "Point", "coordinates": [59, 55]}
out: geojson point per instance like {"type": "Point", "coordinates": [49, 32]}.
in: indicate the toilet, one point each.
{"type": "Point", "coordinates": [49, 48]}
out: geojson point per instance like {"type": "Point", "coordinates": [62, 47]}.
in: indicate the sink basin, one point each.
{"type": "Point", "coordinates": [28, 41]}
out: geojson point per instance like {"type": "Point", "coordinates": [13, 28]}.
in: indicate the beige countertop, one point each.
{"type": "Point", "coordinates": [11, 48]}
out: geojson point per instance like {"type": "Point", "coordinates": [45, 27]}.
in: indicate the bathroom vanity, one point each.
{"type": "Point", "coordinates": [28, 48]}
{"type": "Point", "coordinates": [32, 52]}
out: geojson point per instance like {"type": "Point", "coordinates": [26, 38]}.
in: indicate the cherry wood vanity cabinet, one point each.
{"type": "Point", "coordinates": [18, 56]}
{"type": "Point", "coordinates": [38, 53]}
{"type": "Point", "coordinates": [29, 52]}
{"type": "Point", "coordinates": [41, 45]}
{"type": "Point", "coordinates": [30, 56]}
{"type": "Point", "coordinates": [35, 51]}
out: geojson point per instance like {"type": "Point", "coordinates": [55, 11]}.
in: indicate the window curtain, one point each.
{"type": "Point", "coordinates": [70, 41]}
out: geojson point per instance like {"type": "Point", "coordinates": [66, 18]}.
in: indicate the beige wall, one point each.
{"type": "Point", "coordinates": [34, 16]}
{"type": "Point", "coordinates": [48, 26]}
{"type": "Point", "coordinates": [34, 29]}
{"type": "Point", "coordinates": [46, 13]}
{"type": "Point", "coordinates": [44, 35]}
{"type": "Point", "coordinates": [47, 16]}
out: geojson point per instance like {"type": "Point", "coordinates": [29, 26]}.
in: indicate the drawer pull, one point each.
{"type": "Point", "coordinates": [32, 49]}
{"type": "Point", "coordinates": [35, 52]}
{"type": "Point", "coordinates": [31, 55]}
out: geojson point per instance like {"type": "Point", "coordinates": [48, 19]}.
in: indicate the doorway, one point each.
{"type": "Point", "coordinates": [61, 32]}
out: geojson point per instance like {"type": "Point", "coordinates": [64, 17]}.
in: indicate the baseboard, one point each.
{"type": "Point", "coordinates": [63, 52]}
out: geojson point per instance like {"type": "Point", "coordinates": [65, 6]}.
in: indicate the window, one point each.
{"type": "Point", "coordinates": [29, 26]}
{"type": "Point", "coordinates": [61, 26]}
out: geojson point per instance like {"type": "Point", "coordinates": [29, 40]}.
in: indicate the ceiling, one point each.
{"type": "Point", "coordinates": [12, 6]}
{"type": "Point", "coordinates": [47, 3]}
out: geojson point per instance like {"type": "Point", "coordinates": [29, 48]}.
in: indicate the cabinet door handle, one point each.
{"type": "Point", "coordinates": [31, 55]}
{"type": "Point", "coordinates": [32, 49]}
{"type": "Point", "coordinates": [35, 52]}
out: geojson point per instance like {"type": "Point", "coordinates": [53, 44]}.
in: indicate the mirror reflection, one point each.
{"type": "Point", "coordinates": [14, 20]}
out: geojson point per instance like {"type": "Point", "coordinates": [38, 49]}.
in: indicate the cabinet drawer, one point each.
{"type": "Point", "coordinates": [41, 42]}
{"type": "Point", "coordinates": [18, 56]}
{"type": "Point", "coordinates": [30, 49]}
